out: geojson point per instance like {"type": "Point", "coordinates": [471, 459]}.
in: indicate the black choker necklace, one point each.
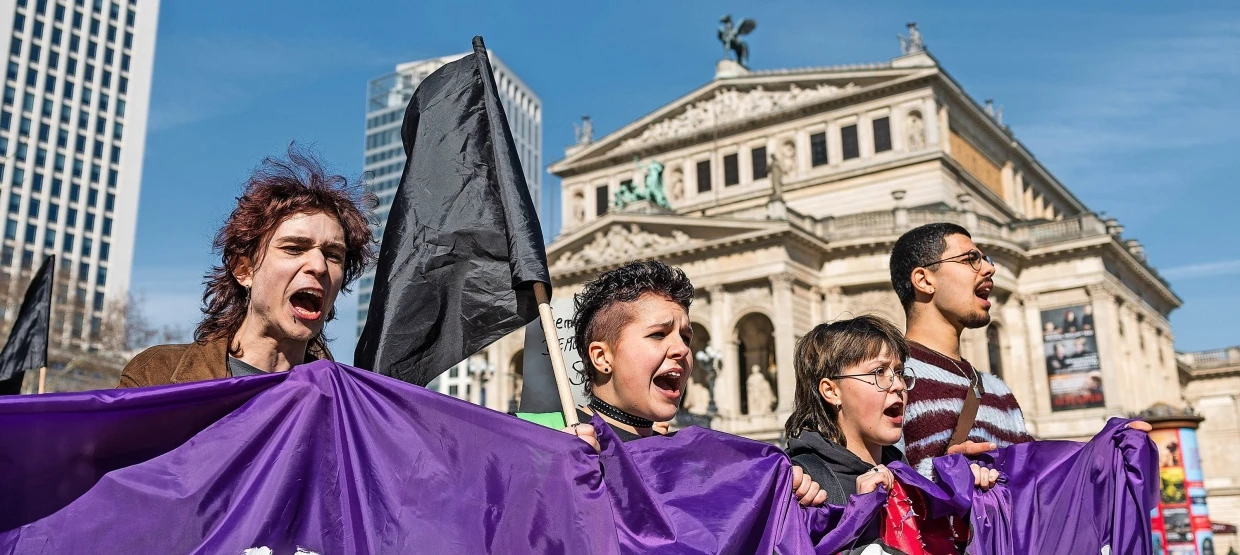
{"type": "Point", "coordinates": [619, 415]}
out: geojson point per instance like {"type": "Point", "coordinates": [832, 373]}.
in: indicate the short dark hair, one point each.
{"type": "Point", "coordinates": [918, 249]}
{"type": "Point", "coordinates": [597, 319]}
{"type": "Point", "coordinates": [825, 352]}
{"type": "Point", "coordinates": [277, 190]}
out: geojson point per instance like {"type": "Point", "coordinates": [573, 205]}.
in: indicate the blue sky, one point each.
{"type": "Point", "coordinates": [1133, 109]}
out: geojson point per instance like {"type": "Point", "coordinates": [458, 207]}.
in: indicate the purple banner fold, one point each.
{"type": "Point", "coordinates": [332, 459]}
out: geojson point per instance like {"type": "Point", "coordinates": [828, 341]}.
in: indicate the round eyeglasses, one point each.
{"type": "Point", "coordinates": [973, 258]}
{"type": "Point", "coordinates": [885, 377]}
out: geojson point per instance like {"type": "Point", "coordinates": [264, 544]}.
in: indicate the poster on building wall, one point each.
{"type": "Point", "coordinates": [1182, 520]}
{"type": "Point", "coordinates": [1071, 352]}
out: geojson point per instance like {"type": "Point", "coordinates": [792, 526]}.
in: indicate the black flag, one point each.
{"type": "Point", "coordinates": [26, 348]}
{"type": "Point", "coordinates": [463, 247]}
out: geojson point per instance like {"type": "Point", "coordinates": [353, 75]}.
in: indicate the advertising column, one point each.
{"type": "Point", "coordinates": [1181, 523]}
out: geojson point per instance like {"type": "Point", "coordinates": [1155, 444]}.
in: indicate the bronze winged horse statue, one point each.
{"type": "Point", "coordinates": [731, 37]}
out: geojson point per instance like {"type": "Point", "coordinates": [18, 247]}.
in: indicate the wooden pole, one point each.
{"type": "Point", "coordinates": [542, 295]}
{"type": "Point", "coordinates": [42, 377]}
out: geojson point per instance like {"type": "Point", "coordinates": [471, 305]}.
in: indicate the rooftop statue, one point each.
{"type": "Point", "coordinates": [584, 133]}
{"type": "Point", "coordinates": [731, 38]}
{"type": "Point", "coordinates": [912, 44]}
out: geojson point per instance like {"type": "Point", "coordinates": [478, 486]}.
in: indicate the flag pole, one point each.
{"type": "Point", "coordinates": [543, 297]}
{"type": "Point", "coordinates": [42, 377]}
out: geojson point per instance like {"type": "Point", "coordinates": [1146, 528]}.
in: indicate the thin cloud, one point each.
{"type": "Point", "coordinates": [1208, 269]}
{"type": "Point", "coordinates": [200, 78]}
{"type": "Point", "coordinates": [1136, 102]}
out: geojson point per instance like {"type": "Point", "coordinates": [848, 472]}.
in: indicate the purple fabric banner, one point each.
{"type": "Point", "coordinates": [1064, 496]}
{"type": "Point", "coordinates": [332, 459]}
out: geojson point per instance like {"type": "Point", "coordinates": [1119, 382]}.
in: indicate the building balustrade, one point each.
{"type": "Point", "coordinates": [1027, 234]}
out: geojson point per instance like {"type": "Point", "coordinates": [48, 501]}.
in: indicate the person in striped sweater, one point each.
{"type": "Point", "coordinates": [944, 282]}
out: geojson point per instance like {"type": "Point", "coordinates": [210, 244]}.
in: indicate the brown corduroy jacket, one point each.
{"type": "Point", "coordinates": [194, 362]}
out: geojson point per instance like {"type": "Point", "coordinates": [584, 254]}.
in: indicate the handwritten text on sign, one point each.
{"type": "Point", "coordinates": [538, 392]}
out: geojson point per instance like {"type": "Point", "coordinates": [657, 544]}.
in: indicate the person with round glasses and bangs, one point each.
{"type": "Point", "coordinates": [848, 413]}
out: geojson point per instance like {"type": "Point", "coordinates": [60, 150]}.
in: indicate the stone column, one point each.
{"type": "Point", "coordinates": [1038, 384]}
{"type": "Point", "coordinates": [1150, 369]}
{"type": "Point", "coordinates": [815, 306]}
{"type": "Point", "coordinates": [1130, 349]}
{"type": "Point", "coordinates": [1169, 373]}
{"type": "Point", "coordinates": [781, 291]}
{"type": "Point", "coordinates": [1016, 349]}
{"type": "Point", "coordinates": [942, 129]}
{"type": "Point", "coordinates": [727, 392]}
{"type": "Point", "coordinates": [1010, 191]}
{"type": "Point", "coordinates": [500, 387]}
{"type": "Point", "coordinates": [865, 135]}
{"type": "Point", "coordinates": [931, 121]}
{"type": "Point", "coordinates": [1115, 388]}
{"type": "Point", "coordinates": [834, 305]}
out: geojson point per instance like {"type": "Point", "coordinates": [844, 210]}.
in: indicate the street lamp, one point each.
{"type": "Point", "coordinates": [482, 370]}
{"type": "Point", "coordinates": [709, 360]}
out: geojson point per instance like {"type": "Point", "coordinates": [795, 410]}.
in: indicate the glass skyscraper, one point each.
{"type": "Point", "coordinates": [72, 132]}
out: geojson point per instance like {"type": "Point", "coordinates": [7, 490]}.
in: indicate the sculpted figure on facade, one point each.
{"type": "Point", "coordinates": [788, 159]}
{"type": "Point", "coordinates": [579, 207]}
{"type": "Point", "coordinates": [654, 184]}
{"type": "Point", "coordinates": [781, 167]}
{"type": "Point", "coordinates": [730, 105]}
{"type": "Point", "coordinates": [697, 396]}
{"type": "Point", "coordinates": [619, 242]}
{"type": "Point", "coordinates": [647, 185]}
{"type": "Point", "coordinates": [624, 195]}
{"type": "Point", "coordinates": [916, 131]}
{"type": "Point", "coordinates": [761, 396]}
{"type": "Point", "coordinates": [776, 172]}
{"type": "Point", "coordinates": [676, 185]}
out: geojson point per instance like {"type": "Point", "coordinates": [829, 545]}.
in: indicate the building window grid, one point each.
{"type": "Point", "coordinates": [818, 149]}
{"type": "Point", "coordinates": [703, 176]}
{"type": "Point", "coordinates": [731, 170]}
{"type": "Point", "coordinates": [758, 160]}
{"type": "Point", "coordinates": [882, 134]}
{"type": "Point", "coordinates": [849, 142]}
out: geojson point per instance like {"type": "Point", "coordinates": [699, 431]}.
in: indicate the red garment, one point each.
{"type": "Point", "coordinates": [906, 529]}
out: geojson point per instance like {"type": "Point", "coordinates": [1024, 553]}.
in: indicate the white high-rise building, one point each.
{"type": "Point", "coordinates": [72, 132]}
{"type": "Point", "coordinates": [386, 99]}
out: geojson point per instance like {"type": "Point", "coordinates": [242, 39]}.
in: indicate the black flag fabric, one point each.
{"type": "Point", "coordinates": [462, 247]}
{"type": "Point", "coordinates": [26, 348]}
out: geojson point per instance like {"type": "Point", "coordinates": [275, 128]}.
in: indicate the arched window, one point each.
{"type": "Point", "coordinates": [756, 344]}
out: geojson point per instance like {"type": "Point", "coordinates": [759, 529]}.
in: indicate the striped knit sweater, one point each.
{"type": "Point", "coordinates": [935, 402]}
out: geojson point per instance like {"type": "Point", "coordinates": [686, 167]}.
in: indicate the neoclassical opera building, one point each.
{"type": "Point", "coordinates": [785, 191]}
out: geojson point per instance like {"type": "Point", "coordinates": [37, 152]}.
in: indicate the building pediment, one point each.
{"type": "Point", "coordinates": [620, 237]}
{"type": "Point", "coordinates": [724, 104]}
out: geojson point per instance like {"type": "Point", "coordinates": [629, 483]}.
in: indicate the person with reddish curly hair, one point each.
{"type": "Point", "coordinates": [297, 238]}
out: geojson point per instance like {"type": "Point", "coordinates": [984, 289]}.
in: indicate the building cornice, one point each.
{"type": "Point", "coordinates": [607, 152]}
